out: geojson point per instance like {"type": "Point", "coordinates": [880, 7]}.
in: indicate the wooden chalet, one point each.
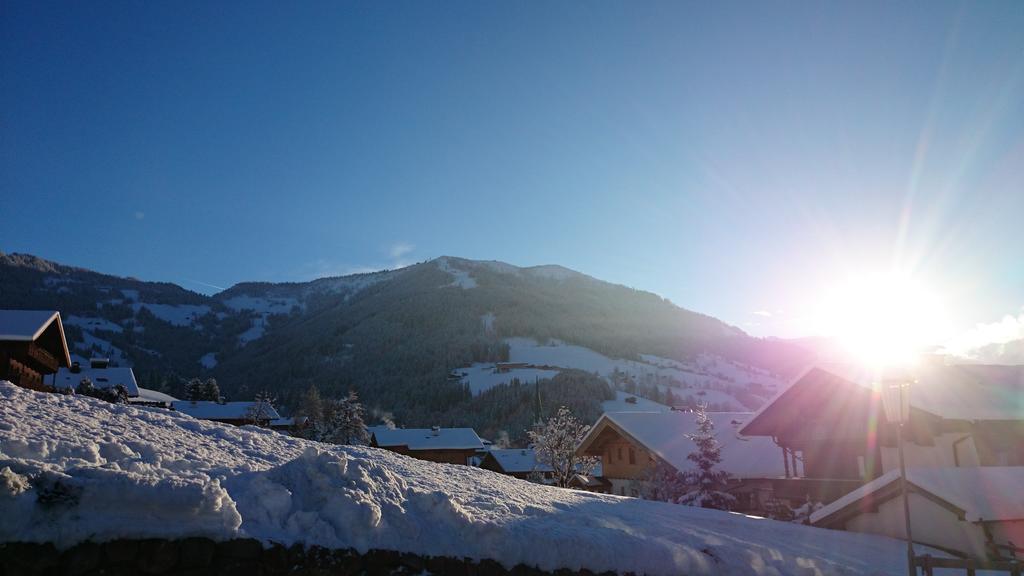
{"type": "Point", "coordinates": [445, 445]}
{"type": "Point", "coordinates": [32, 346]}
{"type": "Point", "coordinates": [831, 434]}
{"type": "Point", "coordinates": [234, 413]}
{"type": "Point", "coordinates": [630, 445]}
{"type": "Point", "coordinates": [517, 462]}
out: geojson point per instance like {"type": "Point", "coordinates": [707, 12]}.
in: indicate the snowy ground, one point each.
{"type": "Point", "coordinates": [75, 468]}
{"type": "Point", "coordinates": [706, 380]}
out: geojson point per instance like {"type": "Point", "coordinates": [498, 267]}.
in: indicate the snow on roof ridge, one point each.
{"type": "Point", "coordinates": [25, 325]}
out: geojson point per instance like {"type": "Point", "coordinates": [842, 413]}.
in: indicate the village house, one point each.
{"type": "Point", "coordinates": [446, 445]}
{"type": "Point", "coordinates": [630, 444]}
{"type": "Point", "coordinates": [100, 373]}
{"type": "Point", "coordinates": [32, 346]}
{"type": "Point", "coordinates": [235, 413]}
{"type": "Point", "coordinates": [522, 463]}
{"type": "Point", "coordinates": [829, 424]}
{"type": "Point", "coordinates": [517, 462]}
{"type": "Point", "coordinates": [976, 511]}
{"type": "Point", "coordinates": [965, 435]}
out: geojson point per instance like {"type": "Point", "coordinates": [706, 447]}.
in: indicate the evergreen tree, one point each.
{"type": "Point", "coordinates": [310, 407]}
{"type": "Point", "coordinates": [706, 483]}
{"type": "Point", "coordinates": [194, 390]}
{"type": "Point", "coordinates": [344, 422]}
{"type": "Point", "coordinates": [210, 391]}
{"type": "Point", "coordinates": [555, 442]}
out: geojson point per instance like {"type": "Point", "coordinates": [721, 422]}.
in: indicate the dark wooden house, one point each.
{"type": "Point", "coordinates": [445, 445]}
{"type": "Point", "coordinates": [831, 430]}
{"type": "Point", "coordinates": [32, 346]}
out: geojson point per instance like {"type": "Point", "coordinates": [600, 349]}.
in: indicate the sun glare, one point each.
{"type": "Point", "coordinates": [883, 319]}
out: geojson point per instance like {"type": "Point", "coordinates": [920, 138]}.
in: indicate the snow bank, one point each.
{"type": "Point", "coordinates": [73, 468]}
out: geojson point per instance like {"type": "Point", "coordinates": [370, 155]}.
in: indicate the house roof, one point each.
{"type": "Point", "coordinates": [516, 460]}
{"type": "Point", "coordinates": [25, 325]}
{"type": "Point", "coordinates": [427, 438]}
{"type": "Point", "coordinates": [30, 325]}
{"type": "Point", "coordinates": [951, 391]}
{"type": "Point", "coordinates": [981, 493]}
{"type": "Point", "coordinates": [147, 395]}
{"type": "Point", "coordinates": [100, 377]}
{"type": "Point", "coordinates": [208, 410]}
{"type": "Point", "coordinates": [664, 434]}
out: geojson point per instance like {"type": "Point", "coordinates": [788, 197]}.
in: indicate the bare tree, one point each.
{"type": "Point", "coordinates": [555, 442]}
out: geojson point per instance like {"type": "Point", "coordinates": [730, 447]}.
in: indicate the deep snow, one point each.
{"type": "Point", "coordinates": [75, 468]}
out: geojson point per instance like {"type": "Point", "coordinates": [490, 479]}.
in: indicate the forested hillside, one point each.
{"type": "Point", "coordinates": [393, 336]}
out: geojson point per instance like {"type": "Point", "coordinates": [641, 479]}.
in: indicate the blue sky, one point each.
{"type": "Point", "coordinates": [736, 158]}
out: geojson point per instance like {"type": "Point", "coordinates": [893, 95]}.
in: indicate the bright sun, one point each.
{"type": "Point", "coordinates": [883, 319]}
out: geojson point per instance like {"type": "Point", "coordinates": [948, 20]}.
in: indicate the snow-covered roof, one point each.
{"type": "Point", "coordinates": [427, 438]}
{"type": "Point", "coordinates": [517, 460]}
{"type": "Point", "coordinates": [638, 404]}
{"type": "Point", "coordinates": [664, 434]}
{"type": "Point", "coordinates": [100, 377]}
{"type": "Point", "coordinates": [147, 395]}
{"type": "Point", "coordinates": [981, 492]}
{"type": "Point", "coordinates": [952, 391]}
{"type": "Point", "coordinates": [208, 410]}
{"type": "Point", "coordinates": [25, 325]}
{"type": "Point", "coordinates": [43, 326]}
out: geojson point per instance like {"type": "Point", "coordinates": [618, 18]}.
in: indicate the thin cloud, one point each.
{"type": "Point", "coordinates": [764, 313]}
{"type": "Point", "coordinates": [400, 249]}
{"type": "Point", "coordinates": [1009, 329]}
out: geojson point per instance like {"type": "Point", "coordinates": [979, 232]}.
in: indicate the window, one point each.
{"type": "Point", "coordinates": [632, 455]}
{"type": "Point", "coordinates": [620, 457]}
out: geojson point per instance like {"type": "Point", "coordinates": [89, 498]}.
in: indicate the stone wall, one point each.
{"type": "Point", "coordinates": [246, 557]}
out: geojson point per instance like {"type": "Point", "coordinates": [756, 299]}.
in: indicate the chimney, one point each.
{"type": "Point", "coordinates": [99, 362]}
{"type": "Point", "coordinates": [435, 430]}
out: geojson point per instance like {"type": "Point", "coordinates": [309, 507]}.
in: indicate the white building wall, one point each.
{"type": "Point", "coordinates": [938, 456]}
{"type": "Point", "coordinates": [931, 524]}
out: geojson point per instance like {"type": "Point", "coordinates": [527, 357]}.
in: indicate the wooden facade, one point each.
{"type": "Point", "coordinates": [830, 428]}
{"type": "Point", "coordinates": [443, 456]}
{"type": "Point", "coordinates": [32, 346]}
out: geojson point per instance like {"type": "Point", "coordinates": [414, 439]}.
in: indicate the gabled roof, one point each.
{"type": "Point", "coordinates": [100, 377]}
{"type": "Point", "coordinates": [981, 493]}
{"type": "Point", "coordinates": [30, 325]}
{"type": "Point", "coordinates": [427, 439]}
{"type": "Point", "coordinates": [208, 410]}
{"type": "Point", "coordinates": [665, 434]}
{"type": "Point", "coordinates": [951, 391]}
{"type": "Point", "coordinates": [147, 395]}
{"type": "Point", "coordinates": [518, 460]}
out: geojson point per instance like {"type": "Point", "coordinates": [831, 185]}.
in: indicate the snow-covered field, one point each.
{"type": "Point", "coordinates": [75, 468]}
{"type": "Point", "coordinates": [706, 380]}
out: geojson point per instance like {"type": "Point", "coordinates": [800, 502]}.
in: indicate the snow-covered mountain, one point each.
{"type": "Point", "coordinates": [397, 336]}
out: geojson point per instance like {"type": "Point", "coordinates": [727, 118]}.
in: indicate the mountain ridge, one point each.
{"type": "Point", "coordinates": [395, 336]}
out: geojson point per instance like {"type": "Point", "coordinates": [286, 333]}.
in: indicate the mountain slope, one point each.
{"type": "Point", "coordinates": [394, 336]}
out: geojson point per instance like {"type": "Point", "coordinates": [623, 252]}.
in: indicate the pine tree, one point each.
{"type": "Point", "coordinates": [209, 390]}
{"type": "Point", "coordinates": [706, 483]}
{"type": "Point", "coordinates": [311, 407]}
{"type": "Point", "coordinates": [194, 390]}
{"type": "Point", "coordinates": [343, 423]}
{"type": "Point", "coordinates": [555, 442]}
